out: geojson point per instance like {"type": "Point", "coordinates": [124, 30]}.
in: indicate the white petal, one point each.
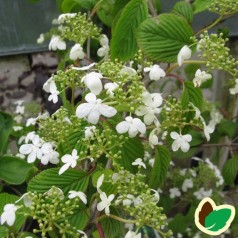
{"type": "Point", "coordinates": [149, 118]}
{"type": "Point", "coordinates": [31, 157]}
{"type": "Point", "coordinates": [100, 206]}
{"type": "Point", "coordinates": [175, 145]}
{"type": "Point", "coordinates": [133, 131]}
{"type": "Point", "coordinates": [93, 117]}
{"type": "Point", "coordinates": [25, 149]}
{"type": "Point", "coordinates": [107, 111]}
{"type": "Point", "coordinates": [174, 135]}
{"type": "Point", "coordinates": [83, 110]}
{"type": "Point", "coordinates": [122, 127]}
{"type": "Point", "coordinates": [187, 137]}
{"type": "Point", "coordinates": [91, 98]}
{"type": "Point", "coordinates": [63, 168]}
{"type": "Point", "coordinates": [185, 146]}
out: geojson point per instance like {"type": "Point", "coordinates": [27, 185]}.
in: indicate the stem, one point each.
{"type": "Point", "coordinates": [221, 145]}
{"type": "Point", "coordinates": [177, 77]}
{"type": "Point", "coordinates": [100, 231]}
{"type": "Point", "coordinates": [173, 66]}
{"type": "Point", "coordinates": [151, 8]}
{"type": "Point", "coordinates": [116, 218]}
{"type": "Point", "coordinates": [88, 41]}
{"type": "Point", "coordinates": [210, 26]}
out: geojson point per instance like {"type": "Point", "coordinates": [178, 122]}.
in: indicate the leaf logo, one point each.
{"type": "Point", "coordinates": [211, 219]}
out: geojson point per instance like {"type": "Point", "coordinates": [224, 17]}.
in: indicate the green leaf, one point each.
{"type": "Point", "coordinates": [201, 5]}
{"type": "Point", "coordinates": [178, 223]}
{"type": "Point", "coordinates": [80, 217]}
{"type": "Point", "coordinates": [6, 123]}
{"type": "Point", "coordinates": [184, 9]}
{"type": "Point", "coordinates": [191, 94]}
{"type": "Point", "coordinates": [14, 170]}
{"type": "Point", "coordinates": [4, 231]}
{"type": "Point", "coordinates": [161, 164]}
{"type": "Point", "coordinates": [217, 219]}
{"type": "Point", "coordinates": [105, 12]}
{"type": "Point", "coordinates": [230, 170]}
{"type": "Point", "coordinates": [68, 5]}
{"type": "Point", "coordinates": [20, 219]}
{"type": "Point", "coordinates": [131, 150]}
{"type": "Point", "coordinates": [111, 227]}
{"type": "Point", "coordinates": [162, 38]}
{"type": "Point", "coordinates": [157, 5]}
{"type": "Point", "coordinates": [123, 43]}
{"type": "Point", "coordinates": [227, 128]}
{"type": "Point", "coordinates": [70, 180]}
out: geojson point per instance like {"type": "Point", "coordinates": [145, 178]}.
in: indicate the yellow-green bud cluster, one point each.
{"type": "Point", "coordinates": [217, 55]}
{"type": "Point", "coordinates": [146, 211]}
{"type": "Point", "coordinates": [224, 7]}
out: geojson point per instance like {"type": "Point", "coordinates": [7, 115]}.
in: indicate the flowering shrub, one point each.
{"type": "Point", "coordinates": [126, 153]}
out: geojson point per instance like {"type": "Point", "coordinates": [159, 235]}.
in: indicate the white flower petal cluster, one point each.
{"type": "Point", "coordinates": [180, 141]}
{"type": "Point", "coordinates": [208, 129]}
{"type": "Point", "coordinates": [49, 154]}
{"type": "Point", "coordinates": [69, 161]}
{"type": "Point", "coordinates": [184, 54]}
{"type": "Point", "coordinates": [156, 72]}
{"type": "Point", "coordinates": [40, 39]}
{"type": "Point", "coordinates": [63, 17]}
{"type": "Point", "coordinates": [93, 109]}
{"type": "Point", "coordinates": [93, 82]}
{"type": "Point", "coordinates": [153, 137]}
{"type": "Point", "coordinates": [132, 234]}
{"type": "Point", "coordinates": [20, 109]}
{"type": "Point", "coordinates": [56, 43]}
{"type": "Point", "coordinates": [139, 162]}
{"type": "Point", "coordinates": [202, 193]}
{"type": "Point", "coordinates": [188, 183]}
{"type": "Point", "coordinates": [131, 125]}
{"type": "Point", "coordinates": [81, 195]}
{"type": "Point", "coordinates": [105, 202]}
{"type": "Point", "coordinates": [201, 77]}
{"type": "Point", "coordinates": [9, 214]}
{"type": "Point", "coordinates": [152, 103]}
{"type": "Point", "coordinates": [103, 51]}
{"type": "Point", "coordinates": [89, 132]}
{"type": "Point", "coordinates": [234, 91]}
{"type": "Point", "coordinates": [174, 192]}
{"type": "Point", "coordinates": [110, 87]}
{"type": "Point", "coordinates": [76, 52]}
{"type": "Point", "coordinates": [50, 87]}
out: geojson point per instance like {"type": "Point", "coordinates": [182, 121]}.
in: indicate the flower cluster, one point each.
{"type": "Point", "coordinates": [224, 7]}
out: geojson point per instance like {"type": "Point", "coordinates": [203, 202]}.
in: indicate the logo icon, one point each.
{"type": "Point", "coordinates": [211, 219]}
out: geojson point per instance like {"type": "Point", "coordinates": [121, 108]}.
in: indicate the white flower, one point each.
{"type": "Point", "coordinates": [110, 88]}
{"type": "Point", "coordinates": [27, 200]}
{"type": "Point", "coordinates": [201, 77]}
{"type": "Point", "coordinates": [202, 193]}
{"type": "Point", "coordinates": [41, 39]}
{"type": "Point", "coordinates": [49, 154]}
{"type": "Point", "coordinates": [32, 150]}
{"type": "Point", "coordinates": [57, 43]}
{"type": "Point", "coordinates": [153, 138]}
{"type": "Point", "coordinates": [99, 183]}
{"type": "Point", "coordinates": [180, 141]}
{"type": "Point", "coordinates": [188, 183]}
{"type": "Point", "coordinates": [128, 71]}
{"type": "Point", "coordinates": [93, 82]}
{"type": "Point", "coordinates": [89, 132]}
{"type": "Point", "coordinates": [50, 87]}
{"type": "Point", "coordinates": [156, 195]}
{"type": "Point", "coordinates": [137, 201]}
{"type": "Point", "coordinates": [82, 233]}
{"type": "Point", "coordinates": [104, 50]}
{"type": "Point", "coordinates": [234, 91]}
{"type": "Point", "coordinates": [104, 40]}
{"type": "Point", "coordinates": [65, 16]}
{"type": "Point", "coordinates": [208, 129]}
{"type": "Point", "coordinates": [152, 102]}
{"type": "Point", "coordinates": [76, 52]}
{"type": "Point", "coordinates": [81, 195]}
{"type": "Point", "coordinates": [31, 121]}
{"type": "Point", "coordinates": [132, 234]}
{"type": "Point", "coordinates": [17, 128]}
{"type": "Point", "coordinates": [9, 214]}
{"type": "Point", "coordinates": [20, 109]}
{"type": "Point", "coordinates": [184, 54]}
{"type": "Point", "coordinates": [18, 118]}
{"type": "Point", "coordinates": [174, 192]}
{"type": "Point", "coordinates": [131, 125]}
{"type": "Point", "coordinates": [156, 72]}
{"type": "Point", "coordinates": [69, 160]}
{"type": "Point", "coordinates": [84, 68]}
{"type": "Point", "coordinates": [93, 109]}
{"type": "Point", "coordinates": [105, 203]}
{"type": "Point", "coordinates": [129, 200]}
{"type": "Point", "coordinates": [139, 162]}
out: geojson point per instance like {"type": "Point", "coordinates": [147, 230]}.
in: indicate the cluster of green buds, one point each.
{"type": "Point", "coordinates": [51, 210]}
{"type": "Point", "coordinates": [139, 201]}
{"type": "Point", "coordinates": [224, 7]}
{"type": "Point", "coordinates": [174, 115]}
{"type": "Point", "coordinates": [213, 49]}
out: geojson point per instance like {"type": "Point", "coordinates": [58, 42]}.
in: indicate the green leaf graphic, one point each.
{"type": "Point", "coordinates": [217, 219]}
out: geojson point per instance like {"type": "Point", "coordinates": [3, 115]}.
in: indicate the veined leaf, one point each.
{"type": "Point", "coordinates": [217, 219]}
{"type": "Point", "coordinates": [201, 5]}
{"type": "Point", "coordinates": [184, 9]}
{"type": "Point", "coordinates": [69, 180]}
{"type": "Point", "coordinates": [162, 38]}
{"type": "Point", "coordinates": [14, 170]}
{"type": "Point", "coordinates": [161, 164]}
{"type": "Point", "coordinates": [191, 94]}
{"type": "Point", "coordinates": [68, 5]}
{"type": "Point", "coordinates": [123, 43]}
{"type": "Point", "coordinates": [230, 170]}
